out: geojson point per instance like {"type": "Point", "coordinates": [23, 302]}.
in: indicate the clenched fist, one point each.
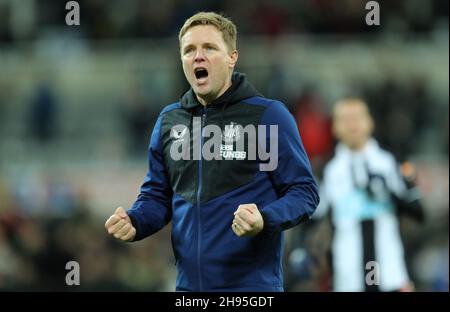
{"type": "Point", "coordinates": [247, 221]}
{"type": "Point", "coordinates": [119, 225]}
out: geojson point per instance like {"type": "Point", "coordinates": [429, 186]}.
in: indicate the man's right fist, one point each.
{"type": "Point", "coordinates": [119, 225]}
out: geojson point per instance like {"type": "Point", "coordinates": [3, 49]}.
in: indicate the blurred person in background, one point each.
{"type": "Point", "coordinates": [43, 113]}
{"type": "Point", "coordinates": [363, 192]}
{"type": "Point", "coordinates": [227, 217]}
{"type": "Point", "coordinates": [137, 117]}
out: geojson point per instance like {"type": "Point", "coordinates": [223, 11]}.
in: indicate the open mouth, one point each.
{"type": "Point", "coordinates": [201, 73]}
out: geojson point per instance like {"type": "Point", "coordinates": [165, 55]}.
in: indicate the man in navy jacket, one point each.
{"type": "Point", "coordinates": [227, 167]}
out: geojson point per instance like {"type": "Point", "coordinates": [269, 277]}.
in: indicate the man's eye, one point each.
{"type": "Point", "coordinates": [188, 51]}
{"type": "Point", "coordinates": [210, 48]}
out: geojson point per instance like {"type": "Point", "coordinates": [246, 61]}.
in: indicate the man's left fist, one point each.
{"type": "Point", "coordinates": [247, 221]}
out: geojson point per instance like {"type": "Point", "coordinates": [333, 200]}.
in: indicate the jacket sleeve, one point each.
{"type": "Point", "coordinates": [405, 193]}
{"type": "Point", "coordinates": [152, 210]}
{"type": "Point", "coordinates": [292, 178]}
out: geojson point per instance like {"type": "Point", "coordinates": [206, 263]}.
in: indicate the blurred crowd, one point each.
{"type": "Point", "coordinates": [39, 236]}
{"type": "Point", "coordinates": [48, 219]}
{"type": "Point", "coordinates": [106, 19]}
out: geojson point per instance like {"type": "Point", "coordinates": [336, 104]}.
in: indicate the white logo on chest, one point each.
{"type": "Point", "coordinates": [231, 133]}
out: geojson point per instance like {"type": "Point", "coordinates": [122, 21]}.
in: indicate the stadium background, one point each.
{"type": "Point", "coordinates": [77, 105]}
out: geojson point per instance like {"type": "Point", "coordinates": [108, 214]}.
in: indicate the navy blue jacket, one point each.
{"type": "Point", "coordinates": [200, 196]}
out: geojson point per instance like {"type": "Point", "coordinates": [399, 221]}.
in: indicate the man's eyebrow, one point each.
{"type": "Point", "coordinates": [211, 44]}
{"type": "Point", "coordinates": [188, 46]}
{"type": "Point", "coordinates": [205, 44]}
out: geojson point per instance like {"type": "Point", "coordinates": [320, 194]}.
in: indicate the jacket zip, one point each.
{"type": "Point", "coordinates": [199, 190]}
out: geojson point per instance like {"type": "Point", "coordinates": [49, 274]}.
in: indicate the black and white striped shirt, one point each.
{"type": "Point", "coordinates": [359, 188]}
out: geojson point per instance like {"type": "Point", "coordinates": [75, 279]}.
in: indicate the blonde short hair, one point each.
{"type": "Point", "coordinates": [223, 24]}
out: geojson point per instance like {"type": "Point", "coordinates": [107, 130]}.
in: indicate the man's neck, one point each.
{"type": "Point", "coordinates": [359, 147]}
{"type": "Point", "coordinates": [203, 101]}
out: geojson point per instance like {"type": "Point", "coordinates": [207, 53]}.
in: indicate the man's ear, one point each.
{"type": "Point", "coordinates": [233, 58]}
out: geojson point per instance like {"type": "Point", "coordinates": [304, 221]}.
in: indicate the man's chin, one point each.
{"type": "Point", "coordinates": [202, 91]}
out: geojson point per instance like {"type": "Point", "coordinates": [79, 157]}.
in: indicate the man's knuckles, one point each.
{"type": "Point", "coordinates": [124, 232]}
{"type": "Point", "coordinates": [247, 217]}
{"type": "Point", "coordinates": [118, 226]}
{"type": "Point", "coordinates": [247, 206]}
{"type": "Point", "coordinates": [111, 221]}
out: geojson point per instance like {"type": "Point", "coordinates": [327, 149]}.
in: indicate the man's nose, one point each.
{"type": "Point", "coordinates": [199, 56]}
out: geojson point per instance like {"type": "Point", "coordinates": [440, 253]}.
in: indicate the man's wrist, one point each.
{"type": "Point", "coordinates": [265, 222]}
{"type": "Point", "coordinates": [134, 224]}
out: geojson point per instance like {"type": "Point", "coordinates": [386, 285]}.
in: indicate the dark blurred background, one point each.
{"type": "Point", "coordinates": [78, 103]}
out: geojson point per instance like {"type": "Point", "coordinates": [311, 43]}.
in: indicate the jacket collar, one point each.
{"type": "Point", "coordinates": [239, 90]}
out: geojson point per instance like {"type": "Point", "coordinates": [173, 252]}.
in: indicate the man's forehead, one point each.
{"type": "Point", "coordinates": [202, 33]}
{"type": "Point", "coordinates": [351, 107]}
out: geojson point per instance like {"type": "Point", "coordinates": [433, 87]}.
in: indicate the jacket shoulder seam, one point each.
{"type": "Point", "coordinates": [170, 108]}
{"type": "Point", "coordinates": [261, 101]}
